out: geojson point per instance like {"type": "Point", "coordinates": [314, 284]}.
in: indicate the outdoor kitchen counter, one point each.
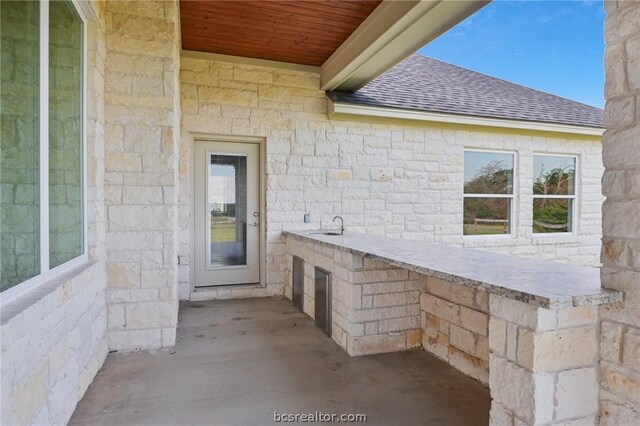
{"type": "Point", "coordinates": [538, 282]}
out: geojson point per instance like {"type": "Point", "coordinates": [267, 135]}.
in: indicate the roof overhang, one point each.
{"type": "Point", "coordinates": [348, 43]}
{"type": "Point", "coordinates": [393, 31]}
{"type": "Point", "coordinates": [339, 110]}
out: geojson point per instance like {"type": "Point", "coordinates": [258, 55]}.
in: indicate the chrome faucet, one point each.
{"type": "Point", "coordinates": [341, 223]}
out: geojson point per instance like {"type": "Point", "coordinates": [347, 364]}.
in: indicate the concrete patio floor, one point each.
{"type": "Point", "coordinates": [237, 361]}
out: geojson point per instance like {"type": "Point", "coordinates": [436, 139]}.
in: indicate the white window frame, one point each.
{"type": "Point", "coordinates": [574, 197]}
{"type": "Point", "coordinates": [512, 197]}
{"type": "Point", "coordinates": [48, 274]}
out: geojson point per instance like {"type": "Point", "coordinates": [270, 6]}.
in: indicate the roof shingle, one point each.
{"type": "Point", "coordinates": [427, 84]}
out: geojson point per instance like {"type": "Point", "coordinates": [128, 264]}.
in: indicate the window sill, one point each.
{"type": "Point", "coordinates": [17, 303]}
{"type": "Point", "coordinates": [555, 239]}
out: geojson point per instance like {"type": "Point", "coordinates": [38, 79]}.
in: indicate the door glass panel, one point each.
{"type": "Point", "coordinates": [227, 205]}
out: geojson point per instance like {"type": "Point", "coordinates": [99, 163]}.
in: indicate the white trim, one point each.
{"type": "Point", "coordinates": [43, 136]}
{"type": "Point", "coordinates": [84, 9]}
{"type": "Point", "coordinates": [85, 96]}
{"type": "Point", "coordinates": [554, 196]}
{"type": "Point", "coordinates": [24, 288]}
{"type": "Point", "coordinates": [471, 195]}
{"type": "Point", "coordinates": [393, 31]}
{"type": "Point", "coordinates": [336, 108]}
{"type": "Point", "coordinates": [248, 61]}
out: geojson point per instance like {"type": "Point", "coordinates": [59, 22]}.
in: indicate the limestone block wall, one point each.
{"type": "Point", "coordinates": [543, 364]}
{"type": "Point", "coordinates": [620, 335]}
{"type": "Point", "coordinates": [54, 340]}
{"type": "Point", "coordinates": [455, 326]}
{"type": "Point", "coordinates": [142, 115]}
{"type": "Point", "coordinates": [375, 306]}
{"type": "Point", "coordinates": [399, 179]}
{"type": "Point", "coordinates": [52, 350]}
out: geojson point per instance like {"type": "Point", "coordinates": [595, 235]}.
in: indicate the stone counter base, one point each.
{"type": "Point", "coordinates": [455, 326]}
{"type": "Point", "coordinates": [376, 307]}
{"type": "Point", "coordinates": [540, 364]}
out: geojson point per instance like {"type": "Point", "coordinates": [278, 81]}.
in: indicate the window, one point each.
{"type": "Point", "coordinates": [554, 189]}
{"type": "Point", "coordinates": [488, 192]}
{"type": "Point", "coordinates": [42, 225]}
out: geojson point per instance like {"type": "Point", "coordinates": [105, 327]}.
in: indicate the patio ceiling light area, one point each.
{"type": "Point", "coordinates": [349, 42]}
{"type": "Point", "coordinates": [305, 33]}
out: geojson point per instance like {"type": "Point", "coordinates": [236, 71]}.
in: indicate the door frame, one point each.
{"type": "Point", "coordinates": [220, 138]}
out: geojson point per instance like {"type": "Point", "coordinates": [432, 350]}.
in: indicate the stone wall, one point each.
{"type": "Point", "coordinates": [142, 114]}
{"type": "Point", "coordinates": [542, 364]}
{"type": "Point", "coordinates": [52, 350]}
{"type": "Point", "coordinates": [375, 306]}
{"type": "Point", "coordinates": [54, 340]}
{"type": "Point", "coordinates": [397, 179]}
{"type": "Point", "coordinates": [620, 336]}
{"type": "Point", "coordinates": [455, 326]}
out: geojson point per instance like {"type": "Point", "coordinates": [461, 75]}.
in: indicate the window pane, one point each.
{"type": "Point", "coordinates": [19, 147]}
{"type": "Point", "coordinates": [488, 173]}
{"type": "Point", "coordinates": [487, 216]}
{"type": "Point", "coordinates": [65, 133]}
{"type": "Point", "coordinates": [554, 175]}
{"type": "Point", "coordinates": [552, 215]}
{"type": "Point", "coordinates": [227, 193]}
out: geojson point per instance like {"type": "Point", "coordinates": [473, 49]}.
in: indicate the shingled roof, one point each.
{"type": "Point", "coordinates": [425, 84]}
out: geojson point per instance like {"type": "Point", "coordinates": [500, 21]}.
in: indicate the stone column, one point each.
{"type": "Point", "coordinates": [142, 119]}
{"type": "Point", "coordinates": [543, 364]}
{"type": "Point", "coordinates": [620, 331]}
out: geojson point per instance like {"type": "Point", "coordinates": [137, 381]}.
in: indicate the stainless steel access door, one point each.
{"type": "Point", "coordinates": [323, 300]}
{"type": "Point", "coordinates": [297, 281]}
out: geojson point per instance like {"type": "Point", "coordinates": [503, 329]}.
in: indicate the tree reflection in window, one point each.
{"type": "Point", "coordinates": [553, 193]}
{"type": "Point", "coordinates": [488, 190]}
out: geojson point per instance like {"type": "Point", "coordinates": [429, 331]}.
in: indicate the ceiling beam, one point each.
{"type": "Point", "coordinates": [393, 31]}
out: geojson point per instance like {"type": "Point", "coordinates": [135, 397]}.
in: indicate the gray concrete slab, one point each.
{"type": "Point", "coordinates": [237, 361]}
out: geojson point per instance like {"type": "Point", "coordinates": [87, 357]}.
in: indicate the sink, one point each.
{"type": "Point", "coordinates": [326, 233]}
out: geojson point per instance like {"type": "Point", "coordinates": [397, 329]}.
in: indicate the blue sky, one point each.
{"type": "Point", "coordinates": [553, 46]}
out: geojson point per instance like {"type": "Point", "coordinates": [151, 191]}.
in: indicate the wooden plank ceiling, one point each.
{"type": "Point", "coordinates": [302, 32]}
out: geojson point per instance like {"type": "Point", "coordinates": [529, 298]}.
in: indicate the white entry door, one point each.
{"type": "Point", "coordinates": [227, 213]}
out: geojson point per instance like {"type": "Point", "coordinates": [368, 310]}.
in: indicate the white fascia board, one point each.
{"type": "Point", "coordinates": [393, 31]}
{"type": "Point", "coordinates": [343, 109]}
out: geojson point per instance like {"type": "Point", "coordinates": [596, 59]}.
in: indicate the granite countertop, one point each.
{"type": "Point", "coordinates": [539, 282]}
